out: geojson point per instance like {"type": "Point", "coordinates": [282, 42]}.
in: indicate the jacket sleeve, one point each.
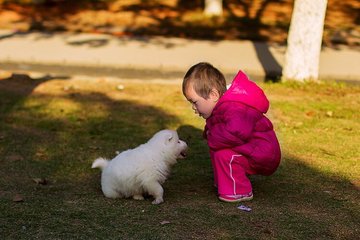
{"type": "Point", "coordinates": [235, 129]}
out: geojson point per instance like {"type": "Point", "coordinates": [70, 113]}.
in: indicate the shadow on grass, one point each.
{"type": "Point", "coordinates": [60, 144]}
{"type": "Point", "coordinates": [298, 201]}
{"type": "Point", "coordinates": [309, 203]}
{"type": "Point", "coordinates": [18, 87]}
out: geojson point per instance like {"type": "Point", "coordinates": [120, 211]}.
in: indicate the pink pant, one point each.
{"type": "Point", "coordinates": [230, 172]}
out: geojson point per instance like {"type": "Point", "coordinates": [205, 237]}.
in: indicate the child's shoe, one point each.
{"type": "Point", "coordinates": [236, 198]}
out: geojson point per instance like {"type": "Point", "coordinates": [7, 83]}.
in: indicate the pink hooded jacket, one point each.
{"type": "Point", "coordinates": [238, 123]}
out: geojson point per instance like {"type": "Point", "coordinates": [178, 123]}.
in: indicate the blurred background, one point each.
{"type": "Point", "coordinates": [258, 20]}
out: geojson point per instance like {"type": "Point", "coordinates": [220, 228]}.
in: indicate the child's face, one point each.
{"type": "Point", "coordinates": [203, 107]}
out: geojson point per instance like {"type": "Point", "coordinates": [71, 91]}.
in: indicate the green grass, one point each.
{"type": "Point", "coordinates": [54, 129]}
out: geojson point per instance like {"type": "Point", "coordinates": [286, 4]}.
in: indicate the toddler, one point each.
{"type": "Point", "coordinates": [240, 137]}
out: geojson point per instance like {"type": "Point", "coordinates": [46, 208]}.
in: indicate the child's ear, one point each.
{"type": "Point", "coordinates": [214, 95]}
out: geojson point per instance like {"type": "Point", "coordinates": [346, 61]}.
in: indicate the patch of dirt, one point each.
{"type": "Point", "coordinates": [263, 20]}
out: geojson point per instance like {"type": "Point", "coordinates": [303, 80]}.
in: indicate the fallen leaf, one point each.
{"type": "Point", "coordinates": [18, 198]}
{"type": "Point", "coordinates": [120, 87]}
{"type": "Point", "coordinates": [267, 231]}
{"type": "Point", "coordinates": [356, 184]}
{"type": "Point", "coordinates": [41, 181]}
{"type": "Point", "coordinates": [299, 124]}
{"type": "Point", "coordinates": [329, 113]}
{"type": "Point", "coordinates": [164, 222]}
{"type": "Point", "coordinates": [327, 152]}
{"type": "Point", "coordinates": [13, 158]}
{"type": "Point", "coordinates": [310, 113]}
{"type": "Point", "coordinates": [39, 154]}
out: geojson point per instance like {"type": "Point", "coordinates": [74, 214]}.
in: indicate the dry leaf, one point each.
{"type": "Point", "coordinates": [267, 231]}
{"type": "Point", "coordinates": [18, 198]}
{"type": "Point", "coordinates": [164, 222]}
{"type": "Point", "coordinates": [310, 113]}
{"type": "Point", "coordinates": [356, 184]}
{"type": "Point", "coordinates": [39, 154]}
{"type": "Point", "coordinates": [120, 87]}
{"type": "Point", "coordinates": [41, 181]}
{"type": "Point", "coordinates": [329, 113]}
{"type": "Point", "coordinates": [14, 158]}
{"type": "Point", "coordinates": [299, 124]}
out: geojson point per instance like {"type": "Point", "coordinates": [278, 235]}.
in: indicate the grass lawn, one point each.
{"type": "Point", "coordinates": [52, 129]}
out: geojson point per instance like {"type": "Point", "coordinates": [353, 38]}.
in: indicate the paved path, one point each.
{"type": "Point", "coordinates": [96, 54]}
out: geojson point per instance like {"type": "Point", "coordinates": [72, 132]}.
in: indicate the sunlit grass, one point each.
{"type": "Point", "coordinates": [319, 122]}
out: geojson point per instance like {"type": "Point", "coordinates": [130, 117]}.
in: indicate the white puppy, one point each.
{"type": "Point", "coordinates": [143, 169]}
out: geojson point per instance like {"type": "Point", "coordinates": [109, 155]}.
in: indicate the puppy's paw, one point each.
{"type": "Point", "coordinates": [138, 197]}
{"type": "Point", "coordinates": [158, 200]}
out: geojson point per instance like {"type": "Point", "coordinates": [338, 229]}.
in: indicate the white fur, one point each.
{"type": "Point", "coordinates": [143, 169]}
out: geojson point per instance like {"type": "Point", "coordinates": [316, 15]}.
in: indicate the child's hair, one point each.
{"type": "Point", "coordinates": [204, 78]}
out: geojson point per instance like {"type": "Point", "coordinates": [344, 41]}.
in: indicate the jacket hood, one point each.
{"type": "Point", "coordinates": [247, 92]}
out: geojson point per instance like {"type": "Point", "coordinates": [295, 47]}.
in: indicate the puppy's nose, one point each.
{"type": "Point", "coordinates": [183, 142]}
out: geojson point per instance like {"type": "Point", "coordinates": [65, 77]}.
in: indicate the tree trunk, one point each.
{"type": "Point", "coordinates": [304, 40]}
{"type": "Point", "coordinates": [213, 7]}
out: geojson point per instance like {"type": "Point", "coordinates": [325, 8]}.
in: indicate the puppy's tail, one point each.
{"type": "Point", "coordinates": [100, 163]}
